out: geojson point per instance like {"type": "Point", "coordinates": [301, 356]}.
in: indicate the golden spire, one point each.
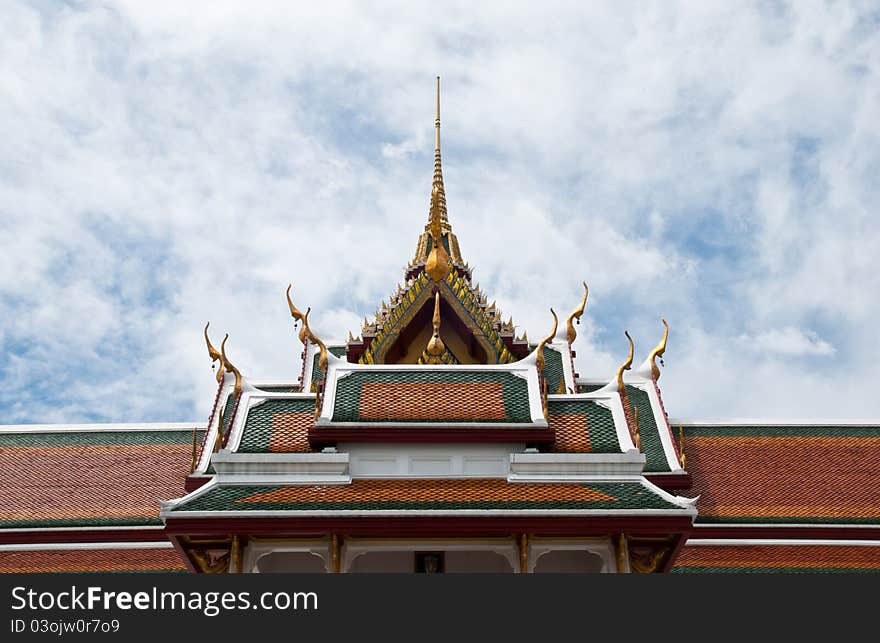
{"type": "Point", "coordinates": [438, 168]}
{"type": "Point", "coordinates": [435, 345]}
{"type": "Point", "coordinates": [658, 352]}
{"type": "Point", "coordinates": [215, 355]}
{"type": "Point", "coordinates": [549, 338]}
{"type": "Point", "coordinates": [576, 314]}
{"type": "Point", "coordinates": [625, 366]}
{"type": "Point", "coordinates": [437, 266]}
{"type": "Point", "coordinates": [230, 367]}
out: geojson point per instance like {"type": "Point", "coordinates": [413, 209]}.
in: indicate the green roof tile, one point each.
{"type": "Point", "coordinates": [652, 447]}
{"type": "Point", "coordinates": [258, 426]}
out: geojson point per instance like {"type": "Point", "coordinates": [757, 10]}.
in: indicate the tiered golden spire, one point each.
{"type": "Point", "coordinates": [438, 203]}
{"type": "Point", "coordinates": [438, 168]}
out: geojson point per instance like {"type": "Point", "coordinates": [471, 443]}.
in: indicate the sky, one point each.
{"type": "Point", "coordinates": [165, 164]}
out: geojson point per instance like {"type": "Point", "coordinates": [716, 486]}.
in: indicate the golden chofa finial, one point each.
{"type": "Point", "coordinates": [658, 352]}
{"type": "Point", "coordinates": [549, 338]}
{"type": "Point", "coordinates": [230, 367]}
{"type": "Point", "coordinates": [322, 362]}
{"type": "Point", "coordinates": [438, 265]}
{"type": "Point", "coordinates": [297, 316]}
{"type": "Point", "coordinates": [435, 344]}
{"type": "Point", "coordinates": [625, 366]}
{"type": "Point", "coordinates": [215, 355]}
{"type": "Point", "coordinates": [576, 314]}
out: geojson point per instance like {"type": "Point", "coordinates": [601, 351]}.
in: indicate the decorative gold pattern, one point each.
{"type": "Point", "coordinates": [210, 556]}
{"type": "Point", "coordinates": [576, 314]}
{"type": "Point", "coordinates": [658, 352]}
{"type": "Point", "coordinates": [334, 554]}
{"type": "Point", "coordinates": [524, 554]}
{"type": "Point", "coordinates": [620, 551]}
{"type": "Point", "coordinates": [625, 366]}
{"type": "Point", "coordinates": [235, 555]}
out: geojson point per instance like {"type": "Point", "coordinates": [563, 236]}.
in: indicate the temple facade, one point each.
{"type": "Point", "coordinates": [438, 441]}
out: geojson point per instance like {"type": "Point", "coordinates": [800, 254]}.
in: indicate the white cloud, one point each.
{"type": "Point", "coordinates": [167, 163]}
{"type": "Point", "coordinates": [788, 341]}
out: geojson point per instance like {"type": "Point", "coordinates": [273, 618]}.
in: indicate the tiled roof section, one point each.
{"type": "Point", "coordinates": [785, 474]}
{"type": "Point", "coordinates": [582, 426]}
{"type": "Point", "coordinates": [553, 371]}
{"type": "Point", "coordinates": [649, 432]}
{"type": "Point", "coordinates": [91, 478]}
{"type": "Point", "coordinates": [588, 388]}
{"type": "Point", "coordinates": [429, 494]}
{"type": "Point", "coordinates": [317, 372]}
{"type": "Point", "coordinates": [278, 426]}
{"type": "Point", "coordinates": [432, 396]}
{"type": "Point", "coordinates": [778, 558]}
{"type": "Point", "coordinates": [91, 560]}
{"type": "Point", "coordinates": [279, 389]}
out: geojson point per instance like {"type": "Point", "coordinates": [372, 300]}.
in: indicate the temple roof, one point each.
{"type": "Point", "coordinates": [791, 474]}
{"type": "Point", "coordinates": [74, 476]}
{"type": "Point", "coordinates": [430, 495]}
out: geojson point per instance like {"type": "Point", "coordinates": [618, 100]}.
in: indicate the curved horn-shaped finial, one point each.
{"type": "Point", "coordinates": [626, 365]}
{"type": "Point", "coordinates": [297, 315]}
{"type": "Point", "coordinates": [322, 362]}
{"type": "Point", "coordinates": [549, 338]}
{"type": "Point", "coordinates": [215, 355]}
{"type": "Point", "coordinates": [230, 367]}
{"type": "Point", "coordinates": [658, 352]}
{"type": "Point", "coordinates": [576, 314]}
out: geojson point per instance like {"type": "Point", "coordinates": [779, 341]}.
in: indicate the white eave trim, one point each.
{"type": "Point", "coordinates": [164, 544]}
{"type": "Point", "coordinates": [769, 423]}
{"type": "Point", "coordinates": [542, 467]}
{"type": "Point", "coordinates": [787, 525]}
{"type": "Point", "coordinates": [101, 428]}
{"type": "Point", "coordinates": [13, 530]}
{"type": "Point", "coordinates": [388, 513]}
{"type": "Point", "coordinates": [781, 542]}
